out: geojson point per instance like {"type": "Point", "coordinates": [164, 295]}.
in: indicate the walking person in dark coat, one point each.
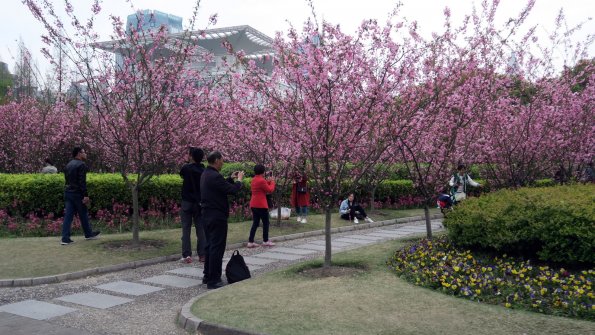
{"type": "Point", "coordinates": [76, 197]}
{"type": "Point", "coordinates": [215, 212]}
{"type": "Point", "coordinates": [191, 210]}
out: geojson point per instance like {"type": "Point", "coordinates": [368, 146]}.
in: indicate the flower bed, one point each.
{"type": "Point", "coordinates": [505, 281]}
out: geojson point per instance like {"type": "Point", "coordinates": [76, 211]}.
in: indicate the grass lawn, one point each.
{"type": "Point", "coordinates": [43, 256]}
{"type": "Point", "coordinates": [373, 302]}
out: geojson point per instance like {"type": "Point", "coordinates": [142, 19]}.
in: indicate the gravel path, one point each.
{"type": "Point", "coordinates": [150, 313]}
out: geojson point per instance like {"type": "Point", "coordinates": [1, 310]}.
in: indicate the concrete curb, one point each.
{"type": "Point", "coordinates": [17, 282]}
{"type": "Point", "coordinates": [191, 323]}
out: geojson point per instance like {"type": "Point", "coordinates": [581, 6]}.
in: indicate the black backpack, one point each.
{"type": "Point", "coordinates": [236, 269]}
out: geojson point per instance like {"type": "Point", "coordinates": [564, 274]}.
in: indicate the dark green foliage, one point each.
{"type": "Point", "coordinates": [25, 193]}
{"type": "Point", "coordinates": [21, 194]}
{"type": "Point", "coordinates": [555, 224]}
{"type": "Point", "coordinates": [229, 168]}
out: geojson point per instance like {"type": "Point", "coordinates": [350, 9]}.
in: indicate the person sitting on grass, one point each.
{"type": "Point", "coordinates": [352, 211]}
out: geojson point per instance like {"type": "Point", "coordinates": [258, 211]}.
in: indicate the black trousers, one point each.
{"type": "Point", "coordinates": [259, 214]}
{"type": "Point", "coordinates": [190, 212]}
{"type": "Point", "coordinates": [215, 224]}
{"type": "Point", "coordinates": [361, 214]}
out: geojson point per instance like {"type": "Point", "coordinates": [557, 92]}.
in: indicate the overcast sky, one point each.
{"type": "Point", "coordinates": [270, 16]}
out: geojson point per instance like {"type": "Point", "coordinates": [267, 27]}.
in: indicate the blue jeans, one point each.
{"type": "Point", "coordinates": [301, 211]}
{"type": "Point", "coordinates": [74, 204]}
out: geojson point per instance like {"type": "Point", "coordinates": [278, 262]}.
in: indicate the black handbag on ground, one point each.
{"type": "Point", "coordinates": [236, 269]}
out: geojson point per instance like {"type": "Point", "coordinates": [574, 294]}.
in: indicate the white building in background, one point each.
{"type": "Point", "coordinates": [252, 42]}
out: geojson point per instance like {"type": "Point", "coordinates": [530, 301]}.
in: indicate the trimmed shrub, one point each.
{"type": "Point", "coordinates": [555, 224]}
{"type": "Point", "coordinates": [25, 193]}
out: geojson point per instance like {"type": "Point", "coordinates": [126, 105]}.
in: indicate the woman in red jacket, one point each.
{"type": "Point", "coordinates": [258, 203]}
{"type": "Point", "coordinates": [300, 197]}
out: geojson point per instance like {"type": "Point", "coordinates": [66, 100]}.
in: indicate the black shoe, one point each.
{"type": "Point", "coordinates": [94, 235]}
{"type": "Point", "coordinates": [205, 280]}
{"type": "Point", "coordinates": [215, 286]}
{"type": "Point", "coordinates": [66, 242]}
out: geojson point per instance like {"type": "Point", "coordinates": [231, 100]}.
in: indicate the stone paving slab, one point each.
{"type": "Point", "coordinates": [294, 251]}
{"type": "Point", "coordinates": [188, 271]}
{"type": "Point", "coordinates": [37, 310]}
{"type": "Point", "coordinates": [364, 237]}
{"type": "Point", "coordinates": [319, 247]}
{"type": "Point", "coordinates": [173, 281]}
{"type": "Point", "coordinates": [92, 299]}
{"type": "Point", "coordinates": [354, 240]}
{"type": "Point", "coordinates": [257, 261]}
{"type": "Point", "coordinates": [394, 232]}
{"type": "Point", "coordinates": [11, 324]}
{"type": "Point", "coordinates": [333, 243]}
{"type": "Point", "coordinates": [129, 288]}
{"type": "Point", "coordinates": [387, 235]}
{"type": "Point", "coordinates": [279, 256]}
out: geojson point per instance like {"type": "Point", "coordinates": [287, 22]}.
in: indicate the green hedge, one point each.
{"type": "Point", "coordinates": [25, 193]}
{"type": "Point", "coordinates": [555, 224]}
{"type": "Point", "coordinates": [21, 194]}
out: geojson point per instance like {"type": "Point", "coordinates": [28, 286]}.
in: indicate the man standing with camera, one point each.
{"type": "Point", "coordinates": [214, 190]}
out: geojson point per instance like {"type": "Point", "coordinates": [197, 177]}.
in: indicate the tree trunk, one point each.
{"type": "Point", "coordinates": [135, 216]}
{"type": "Point", "coordinates": [327, 237]}
{"type": "Point", "coordinates": [428, 223]}
{"type": "Point", "coordinates": [372, 198]}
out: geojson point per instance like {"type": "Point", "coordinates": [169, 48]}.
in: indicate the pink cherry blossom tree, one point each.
{"type": "Point", "coordinates": [325, 102]}
{"type": "Point", "coordinates": [146, 108]}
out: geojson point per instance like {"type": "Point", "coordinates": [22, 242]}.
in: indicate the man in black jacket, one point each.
{"type": "Point", "coordinates": [190, 210]}
{"type": "Point", "coordinates": [76, 197]}
{"type": "Point", "coordinates": [215, 212]}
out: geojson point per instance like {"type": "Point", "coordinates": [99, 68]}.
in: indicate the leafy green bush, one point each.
{"type": "Point", "coordinates": [21, 194]}
{"type": "Point", "coordinates": [552, 223]}
{"type": "Point", "coordinates": [544, 182]}
{"type": "Point", "coordinates": [24, 193]}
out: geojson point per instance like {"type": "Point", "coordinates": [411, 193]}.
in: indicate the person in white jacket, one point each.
{"type": "Point", "coordinates": [350, 210]}
{"type": "Point", "coordinates": [459, 181]}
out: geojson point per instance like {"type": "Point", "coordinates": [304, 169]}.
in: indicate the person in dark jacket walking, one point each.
{"type": "Point", "coordinates": [76, 197]}
{"type": "Point", "coordinates": [215, 212]}
{"type": "Point", "coordinates": [191, 210]}
{"type": "Point", "coordinates": [258, 204]}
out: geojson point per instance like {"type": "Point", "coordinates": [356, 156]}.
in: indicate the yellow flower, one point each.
{"type": "Point", "coordinates": [508, 305]}
{"type": "Point", "coordinates": [456, 268]}
{"type": "Point", "coordinates": [478, 291]}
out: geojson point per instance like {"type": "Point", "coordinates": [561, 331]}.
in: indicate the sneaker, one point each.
{"type": "Point", "coordinates": [355, 220]}
{"type": "Point", "coordinates": [369, 220]}
{"type": "Point", "coordinates": [299, 219]}
{"type": "Point", "coordinates": [252, 245]}
{"type": "Point", "coordinates": [187, 260]}
{"type": "Point", "coordinates": [94, 235]}
{"type": "Point", "coordinates": [66, 242]}
{"type": "Point", "coordinates": [268, 244]}
{"type": "Point", "coordinates": [304, 220]}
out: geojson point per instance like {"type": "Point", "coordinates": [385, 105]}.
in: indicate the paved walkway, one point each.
{"type": "Point", "coordinates": [147, 300]}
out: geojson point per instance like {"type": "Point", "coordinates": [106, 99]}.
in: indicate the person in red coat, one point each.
{"type": "Point", "coordinates": [300, 197]}
{"type": "Point", "coordinates": [259, 206]}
